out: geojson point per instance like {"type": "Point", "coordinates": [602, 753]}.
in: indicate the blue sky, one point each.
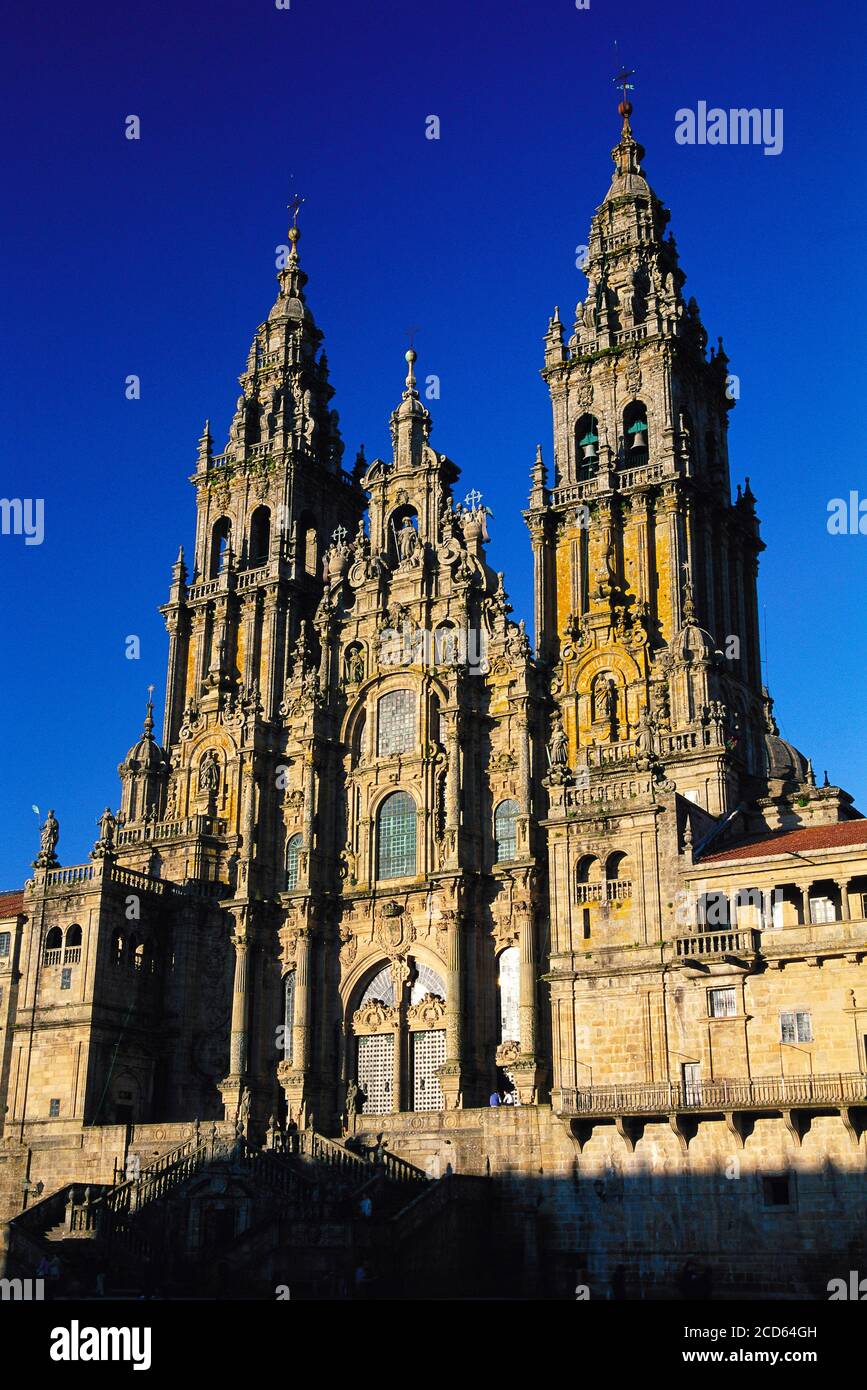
{"type": "Point", "coordinates": [156, 258]}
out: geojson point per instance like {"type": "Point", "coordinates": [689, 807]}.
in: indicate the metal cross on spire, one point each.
{"type": "Point", "coordinates": [622, 81]}
{"type": "Point", "coordinates": [339, 534]}
{"type": "Point", "coordinates": [411, 332]}
{"type": "Point", "coordinates": [294, 207]}
{"type": "Point", "coordinates": [473, 499]}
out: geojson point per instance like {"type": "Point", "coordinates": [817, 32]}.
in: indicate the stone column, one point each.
{"type": "Point", "coordinates": [301, 1026]}
{"type": "Point", "coordinates": [843, 885]}
{"type": "Point", "coordinates": [451, 1073]}
{"type": "Point", "coordinates": [527, 986]}
{"type": "Point", "coordinates": [452, 787]}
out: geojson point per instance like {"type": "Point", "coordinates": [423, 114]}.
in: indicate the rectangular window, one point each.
{"type": "Point", "coordinates": [66, 978]}
{"type": "Point", "coordinates": [5, 938]}
{"type": "Point", "coordinates": [53, 1109]}
{"type": "Point", "coordinates": [822, 910]}
{"type": "Point", "coordinates": [796, 1026]}
{"type": "Point", "coordinates": [777, 1190]}
{"type": "Point", "coordinates": [722, 1003]}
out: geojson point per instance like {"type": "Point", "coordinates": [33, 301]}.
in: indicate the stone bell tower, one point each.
{"type": "Point", "coordinates": [267, 507]}
{"type": "Point", "coordinates": [645, 570]}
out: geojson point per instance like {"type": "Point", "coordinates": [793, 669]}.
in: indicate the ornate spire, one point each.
{"type": "Point", "coordinates": [411, 421]}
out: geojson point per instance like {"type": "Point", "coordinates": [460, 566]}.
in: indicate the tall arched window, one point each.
{"type": "Point", "coordinates": [396, 847]}
{"type": "Point", "coordinates": [288, 1014]}
{"type": "Point", "coordinates": [220, 540]}
{"type": "Point", "coordinates": [260, 536]}
{"type": "Point", "coordinates": [505, 831]}
{"type": "Point", "coordinates": [293, 851]}
{"type": "Point", "coordinates": [396, 723]}
{"type": "Point", "coordinates": [72, 945]}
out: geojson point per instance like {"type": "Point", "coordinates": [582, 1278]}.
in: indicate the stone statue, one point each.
{"type": "Point", "coordinates": [408, 543]}
{"type": "Point", "coordinates": [243, 1111]}
{"type": "Point", "coordinates": [351, 1101]}
{"type": "Point", "coordinates": [559, 745]}
{"type": "Point", "coordinates": [50, 834]}
{"type": "Point", "coordinates": [606, 698]}
{"type": "Point", "coordinates": [209, 772]}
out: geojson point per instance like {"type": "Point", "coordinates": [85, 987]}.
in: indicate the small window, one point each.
{"type": "Point", "coordinates": [66, 977]}
{"type": "Point", "coordinates": [53, 1109]}
{"type": "Point", "coordinates": [505, 831]}
{"type": "Point", "coordinates": [5, 939]}
{"type": "Point", "coordinates": [293, 851]}
{"type": "Point", "coordinates": [722, 1003]}
{"type": "Point", "coordinates": [796, 1026]}
{"type": "Point", "coordinates": [777, 1190]}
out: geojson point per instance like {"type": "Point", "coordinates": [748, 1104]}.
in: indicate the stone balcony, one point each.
{"type": "Point", "coordinates": [726, 944]}
{"type": "Point", "coordinates": [738, 1100]}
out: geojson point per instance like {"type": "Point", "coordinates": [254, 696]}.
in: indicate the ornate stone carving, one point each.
{"type": "Point", "coordinates": [375, 1017]}
{"type": "Point", "coordinates": [429, 1012]}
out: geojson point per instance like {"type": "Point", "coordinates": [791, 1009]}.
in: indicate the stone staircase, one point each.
{"type": "Point", "coordinates": [308, 1225]}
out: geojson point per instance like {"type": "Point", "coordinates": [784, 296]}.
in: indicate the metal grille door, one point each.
{"type": "Point", "coordinates": [428, 1053]}
{"type": "Point", "coordinates": [375, 1072]}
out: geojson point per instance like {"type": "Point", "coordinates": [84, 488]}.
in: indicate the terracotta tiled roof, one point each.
{"type": "Point", "coordinates": [11, 903]}
{"type": "Point", "coordinates": [838, 836]}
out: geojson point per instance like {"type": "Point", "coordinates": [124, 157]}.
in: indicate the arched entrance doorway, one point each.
{"type": "Point", "coordinates": [398, 1031]}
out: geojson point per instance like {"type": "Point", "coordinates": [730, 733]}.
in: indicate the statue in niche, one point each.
{"type": "Point", "coordinates": [559, 746]}
{"type": "Point", "coordinates": [605, 698]}
{"type": "Point", "coordinates": [408, 544]}
{"type": "Point", "coordinates": [209, 773]}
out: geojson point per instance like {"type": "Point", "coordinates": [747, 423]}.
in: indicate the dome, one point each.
{"type": "Point", "coordinates": [693, 644]}
{"type": "Point", "coordinates": [783, 761]}
{"type": "Point", "coordinates": [146, 755]}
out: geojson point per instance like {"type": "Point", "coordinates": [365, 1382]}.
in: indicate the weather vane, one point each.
{"type": "Point", "coordinates": [622, 81]}
{"type": "Point", "coordinates": [411, 332]}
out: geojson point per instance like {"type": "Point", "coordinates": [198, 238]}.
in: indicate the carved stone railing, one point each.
{"type": "Point", "coordinates": [728, 941]}
{"type": "Point", "coordinates": [611, 891]}
{"type": "Point", "coordinates": [74, 873]}
{"type": "Point", "coordinates": [756, 1093]}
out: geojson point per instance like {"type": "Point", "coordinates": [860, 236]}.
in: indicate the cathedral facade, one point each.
{"type": "Point", "coordinates": [388, 859]}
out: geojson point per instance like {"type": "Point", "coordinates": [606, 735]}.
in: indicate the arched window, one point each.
{"type": "Point", "coordinates": [505, 831]}
{"type": "Point", "coordinates": [72, 947]}
{"type": "Point", "coordinates": [508, 982]}
{"type": "Point", "coordinates": [635, 436]}
{"type": "Point", "coordinates": [288, 1014]}
{"type": "Point", "coordinates": [260, 536]}
{"type": "Point", "coordinates": [427, 981]}
{"type": "Point", "coordinates": [73, 935]}
{"type": "Point", "coordinates": [53, 946]}
{"type": "Point", "coordinates": [293, 851]}
{"type": "Point", "coordinates": [586, 446]}
{"type": "Point", "coordinates": [221, 537]}
{"type": "Point", "coordinates": [381, 987]}
{"type": "Point", "coordinates": [396, 838]}
{"type": "Point", "coordinates": [396, 723]}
